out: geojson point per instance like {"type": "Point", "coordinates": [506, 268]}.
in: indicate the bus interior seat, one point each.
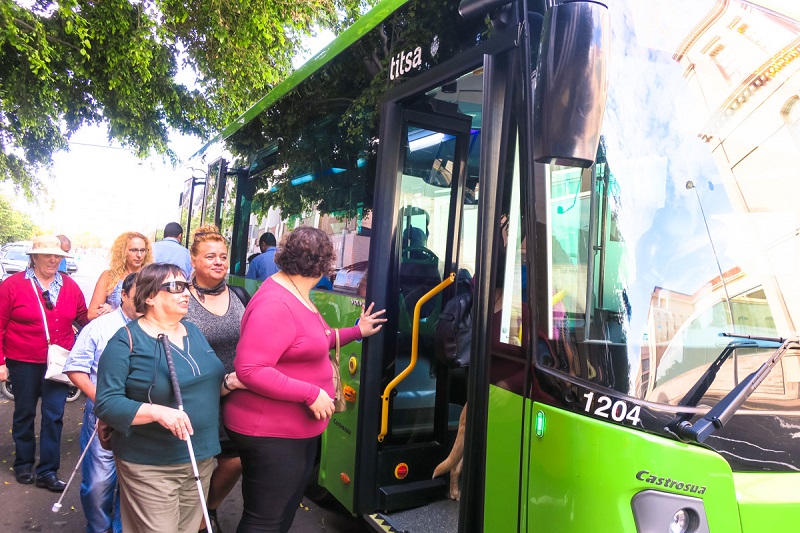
{"type": "Point", "coordinates": [419, 273]}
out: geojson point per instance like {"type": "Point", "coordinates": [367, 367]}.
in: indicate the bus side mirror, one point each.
{"type": "Point", "coordinates": [180, 200]}
{"type": "Point", "coordinates": [571, 84]}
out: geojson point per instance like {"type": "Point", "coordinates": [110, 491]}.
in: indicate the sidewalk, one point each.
{"type": "Point", "coordinates": [28, 508]}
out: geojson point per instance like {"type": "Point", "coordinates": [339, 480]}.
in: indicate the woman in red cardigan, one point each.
{"type": "Point", "coordinates": [24, 298]}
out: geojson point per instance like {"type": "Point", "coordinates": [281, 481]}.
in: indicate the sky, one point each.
{"type": "Point", "coordinates": [101, 188]}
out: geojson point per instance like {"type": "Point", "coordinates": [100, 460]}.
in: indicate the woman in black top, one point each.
{"type": "Point", "coordinates": [217, 311]}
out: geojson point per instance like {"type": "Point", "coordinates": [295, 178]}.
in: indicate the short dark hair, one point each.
{"type": "Point", "coordinates": [64, 241]}
{"type": "Point", "coordinates": [306, 251]}
{"type": "Point", "coordinates": [149, 281]}
{"type": "Point", "coordinates": [173, 229]}
{"type": "Point", "coordinates": [268, 239]}
{"type": "Point", "coordinates": [127, 283]}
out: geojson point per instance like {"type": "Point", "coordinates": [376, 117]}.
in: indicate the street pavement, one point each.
{"type": "Point", "coordinates": [28, 508]}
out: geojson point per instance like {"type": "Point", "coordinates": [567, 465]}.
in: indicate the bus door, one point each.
{"type": "Point", "coordinates": [434, 224]}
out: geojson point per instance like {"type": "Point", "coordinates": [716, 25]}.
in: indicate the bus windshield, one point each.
{"type": "Point", "coordinates": [686, 226]}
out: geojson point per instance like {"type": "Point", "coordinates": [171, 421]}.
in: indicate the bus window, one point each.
{"type": "Point", "coordinates": [509, 337]}
{"type": "Point", "coordinates": [317, 169]}
{"type": "Point", "coordinates": [508, 292]}
{"type": "Point", "coordinates": [676, 235]}
{"type": "Point", "coordinates": [438, 176]}
{"type": "Point", "coordinates": [211, 192]}
{"type": "Point", "coordinates": [192, 206]}
{"type": "Point", "coordinates": [228, 209]}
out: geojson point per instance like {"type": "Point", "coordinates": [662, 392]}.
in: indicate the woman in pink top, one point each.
{"type": "Point", "coordinates": [282, 358]}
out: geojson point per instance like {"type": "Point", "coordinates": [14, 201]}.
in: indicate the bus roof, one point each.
{"type": "Point", "coordinates": [364, 24]}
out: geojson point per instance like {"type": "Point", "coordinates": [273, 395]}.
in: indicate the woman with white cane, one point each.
{"type": "Point", "coordinates": [151, 415]}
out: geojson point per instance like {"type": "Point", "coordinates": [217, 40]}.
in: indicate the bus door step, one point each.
{"type": "Point", "coordinates": [440, 515]}
{"type": "Point", "coordinates": [414, 494]}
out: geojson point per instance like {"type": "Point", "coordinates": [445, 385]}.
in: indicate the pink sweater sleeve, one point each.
{"type": "Point", "coordinates": [346, 336]}
{"type": "Point", "coordinates": [268, 331]}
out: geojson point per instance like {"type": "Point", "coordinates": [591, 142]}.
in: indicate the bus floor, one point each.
{"type": "Point", "coordinates": [437, 517]}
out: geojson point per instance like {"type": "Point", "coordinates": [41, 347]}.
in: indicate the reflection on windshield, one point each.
{"type": "Point", "coordinates": [687, 225]}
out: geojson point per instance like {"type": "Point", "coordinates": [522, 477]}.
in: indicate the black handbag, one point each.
{"type": "Point", "coordinates": [453, 337]}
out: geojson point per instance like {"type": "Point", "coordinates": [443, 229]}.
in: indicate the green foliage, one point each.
{"type": "Point", "coordinates": [325, 130]}
{"type": "Point", "coordinates": [14, 226]}
{"type": "Point", "coordinates": [75, 62]}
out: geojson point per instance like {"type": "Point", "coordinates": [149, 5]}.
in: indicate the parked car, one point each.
{"type": "Point", "coordinates": [72, 266]}
{"type": "Point", "coordinates": [3, 273]}
{"type": "Point", "coordinates": [14, 256]}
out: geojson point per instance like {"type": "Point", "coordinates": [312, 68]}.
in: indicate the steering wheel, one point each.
{"type": "Point", "coordinates": [420, 253]}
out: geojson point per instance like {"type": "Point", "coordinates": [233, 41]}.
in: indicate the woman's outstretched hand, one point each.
{"type": "Point", "coordinates": [370, 323]}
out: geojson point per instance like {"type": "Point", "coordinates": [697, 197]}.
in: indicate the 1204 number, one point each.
{"type": "Point", "coordinates": [617, 411]}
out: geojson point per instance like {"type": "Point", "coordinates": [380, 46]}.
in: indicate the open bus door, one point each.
{"type": "Point", "coordinates": [427, 217]}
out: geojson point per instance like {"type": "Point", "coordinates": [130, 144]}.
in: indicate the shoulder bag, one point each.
{"type": "Point", "coordinates": [339, 404]}
{"type": "Point", "coordinates": [241, 293]}
{"type": "Point", "coordinates": [453, 337]}
{"type": "Point", "coordinates": [56, 355]}
{"type": "Point", "coordinates": [104, 430]}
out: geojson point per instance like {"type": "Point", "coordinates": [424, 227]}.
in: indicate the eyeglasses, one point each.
{"type": "Point", "coordinates": [175, 287]}
{"type": "Point", "coordinates": [47, 303]}
{"type": "Point", "coordinates": [137, 250]}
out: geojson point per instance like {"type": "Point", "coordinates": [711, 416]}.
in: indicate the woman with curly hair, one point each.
{"type": "Point", "coordinates": [129, 253]}
{"type": "Point", "coordinates": [282, 359]}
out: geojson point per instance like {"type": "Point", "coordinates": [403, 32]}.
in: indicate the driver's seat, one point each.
{"type": "Point", "coordinates": [419, 273]}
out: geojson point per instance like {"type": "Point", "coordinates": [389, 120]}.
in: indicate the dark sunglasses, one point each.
{"type": "Point", "coordinates": [47, 303]}
{"type": "Point", "coordinates": [175, 287]}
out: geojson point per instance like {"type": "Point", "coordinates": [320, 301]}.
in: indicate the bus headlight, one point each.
{"type": "Point", "coordinates": [655, 511]}
{"type": "Point", "coordinates": [683, 521]}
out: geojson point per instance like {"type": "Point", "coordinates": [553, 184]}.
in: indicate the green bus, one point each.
{"type": "Point", "coordinates": [613, 183]}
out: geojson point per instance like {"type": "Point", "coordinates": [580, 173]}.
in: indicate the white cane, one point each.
{"type": "Point", "coordinates": [177, 391]}
{"type": "Point", "coordinates": [57, 505]}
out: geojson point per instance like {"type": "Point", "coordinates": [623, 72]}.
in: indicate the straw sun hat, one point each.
{"type": "Point", "coordinates": [47, 244]}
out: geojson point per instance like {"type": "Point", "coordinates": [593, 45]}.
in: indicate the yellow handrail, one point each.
{"type": "Point", "coordinates": [414, 351]}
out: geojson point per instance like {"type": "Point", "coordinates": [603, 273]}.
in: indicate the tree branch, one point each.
{"type": "Point", "coordinates": [48, 37]}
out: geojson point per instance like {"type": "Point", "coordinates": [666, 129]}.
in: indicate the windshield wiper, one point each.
{"type": "Point", "coordinates": [721, 413]}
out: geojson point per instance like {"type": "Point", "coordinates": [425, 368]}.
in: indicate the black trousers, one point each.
{"type": "Point", "coordinates": [29, 386]}
{"type": "Point", "coordinates": [275, 472]}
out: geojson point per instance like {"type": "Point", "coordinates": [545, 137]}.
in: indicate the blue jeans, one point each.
{"type": "Point", "coordinates": [29, 385]}
{"type": "Point", "coordinates": [99, 495]}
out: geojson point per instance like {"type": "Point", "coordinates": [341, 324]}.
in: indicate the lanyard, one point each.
{"type": "Point", "coordinates": [41, 307]}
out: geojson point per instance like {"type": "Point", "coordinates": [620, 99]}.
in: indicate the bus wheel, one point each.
{"type": "Point", "coordinates": [316, 492]}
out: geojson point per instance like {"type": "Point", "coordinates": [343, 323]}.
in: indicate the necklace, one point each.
{"type": "Point", "coordinates": [319, 317]}
{"type": "Point", "coordinates": [311, 305]}
{"type": "Point", "coordinates": [217, 289]}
